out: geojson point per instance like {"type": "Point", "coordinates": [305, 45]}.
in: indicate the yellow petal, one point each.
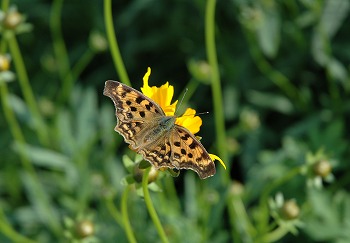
{"type": "Point", "coordinates": [215, 157]}
{"type": "Point", "coordinates": [146, 89]}
{"type": "Point", "coordinates": [189, 121]}
{"type": "Point", "coordinates": [162, 95]}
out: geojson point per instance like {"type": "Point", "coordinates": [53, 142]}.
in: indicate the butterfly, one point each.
{"type": "Point", "coordinates": [145, 127]}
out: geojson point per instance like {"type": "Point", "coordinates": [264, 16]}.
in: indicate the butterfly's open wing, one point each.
{"type": "Point", "coordinates": [158, 154]}
{"type": "Point", "coordinates": [188, 153]}
{"type": "Point", "coordinates": [135, 112]}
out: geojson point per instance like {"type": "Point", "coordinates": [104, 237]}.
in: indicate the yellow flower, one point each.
{"type": "Point", "coordinates": [190, 121]}
{"type": "Point", "coordinates": [163, 96]}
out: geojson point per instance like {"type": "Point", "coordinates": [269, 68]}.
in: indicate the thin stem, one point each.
{"type": "Point", "coordinates": [61, 51]}
{"type": "Point", "coordinates": [32, 177]}
{"type": "Point", "coordinates": [240, 218]}
{"type": "Point", "coordinates": [117, 216]}
{"type": "Point", "coordinates": [9, 232]}
{"type": "Point", "coordinates": [5, 5]}
{"type": "Point", "coordinates": [40, 126]}
{"type": "Point", "coordinates": [112, 40]}
{"type": "Point", "coordinates": [84, 60]}
{"type": "Point", "coordinates": [150, 207]}
{"type": "Point", "coordinates": [215, 80]}
{"type": "Point", "coordinates": [276, 234]}
{"type": "Point", "coordinates": [278, 78]}
{"type": "Point", "coordinates": [170, 193]}
{"type": "Point", "coordinates": [124, 208]}
{"type": "Point", "coordinates": [14, 127]}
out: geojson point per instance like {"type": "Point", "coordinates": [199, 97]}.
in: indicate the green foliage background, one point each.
{"type": "Point", "coordinates": [279, 118]}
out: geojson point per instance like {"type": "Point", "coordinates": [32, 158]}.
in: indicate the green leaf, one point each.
{"type": "Point", "coordinates": [271, 101]}
{"type": "Point", "coordinates": [268, 32]}
{"type": "Point", "coordinates": [144, 164]}
{"type": "Point", "coordinates": [128, 163]}
{"type": "Point", "coordinates": [49, 159]}
{"type": "Point", "coordinates": [86, 117]}
{"type": "Point", "coordinates": [64, 131]}
{"type": "Point", "coordinates": [41, 202]}
{"type": "Point", "coordinates": [329, 218]}
{"type": "Point", "coordinates": [333, 16]}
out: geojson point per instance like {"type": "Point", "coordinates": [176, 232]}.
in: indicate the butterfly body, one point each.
{"type": "Point", "coordinates": [157, 137]}
{"type": "Point", "coordinates": [165, 125]}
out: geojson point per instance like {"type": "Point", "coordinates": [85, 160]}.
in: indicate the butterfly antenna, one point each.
{"type": "Point", "coordinates": [181, 100]}
{"type": "Point", "coordinates": [202, 113]}
{"type": "Point", "coordinates": [196, 114]}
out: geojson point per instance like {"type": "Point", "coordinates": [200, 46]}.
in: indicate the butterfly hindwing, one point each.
{"type": "Point", "coordinates": [159, 154]}
{"type": "Point", "coordinates": [188, 153]}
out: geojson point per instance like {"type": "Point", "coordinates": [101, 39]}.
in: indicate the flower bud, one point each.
{"type": "Point", "coordinates": [98, 42]}
{"type": "Point", "coordinates": [322, 168]}
{"type": "Point", "coordinates": [138, 174]}
{"type": "Point", "coordinates": [4, 63]}
{"type": "Point", "coordinates": [290, 210]}
{"type": "Point", "coordinates": [250, 119]}
{"type": "Point", "coordinates": [85, 229]}
{"type": "Point", "coordinates": [200, 70]}
{"type": "Point", "coordinates": [237, 189]}
{"type": "Point", "coordinates": [12, 19]}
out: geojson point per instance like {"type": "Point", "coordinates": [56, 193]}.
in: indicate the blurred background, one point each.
{"type": "Point", "coordinates": [66, 176]}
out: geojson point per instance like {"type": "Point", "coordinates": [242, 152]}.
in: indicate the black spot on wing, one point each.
{"type": "Point", "coordinates": [139, 99]}
{"type": "Point", "coordinates": [193, 145]}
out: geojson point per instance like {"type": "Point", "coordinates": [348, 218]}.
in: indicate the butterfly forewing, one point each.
{"type": "Point", "coordinates": [135, 112]}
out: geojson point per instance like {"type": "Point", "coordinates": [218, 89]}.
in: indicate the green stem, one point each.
{"type": "Point", "coordinates": [14, 127]}
{"type": "Point", "coordinates": [112, 40]}
{"type": "Point", "coordinates": [27, 165]}
{"type": "Point", "coordinates": [61, 51]}
{"type": "Point", "coordinates": [40, 126]}
{"type": "Point", "coordinates": [114, 211]}
{"type": "Point", "coordinates": [84, 60]}
{"type": "Point", "coordinates": [263, 204]}
{"type": "Point", "coordinates": [5, 5]}
{"type": "Point", "coordinates": [280, 80]}
{"type": "Point", "coordinates": [276, 234]}
{"type": "Point", "coordinates": [124, 208]}
{"type": "Point", "coordinates": [240, 222]}
{"type": "Point", "coordinates": [170, 193]}
{"type": "Point", "coordinates": [150, 207]}
{"type": "Point", "coordinates": [9, 232]}
{"type": "Point", "coordinates": [215, 81]}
